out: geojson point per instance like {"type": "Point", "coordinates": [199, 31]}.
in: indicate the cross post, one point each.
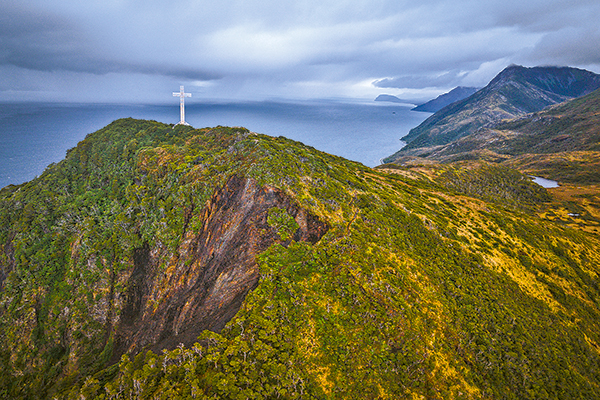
{"type": "Point", "coordinates": [182, 95]}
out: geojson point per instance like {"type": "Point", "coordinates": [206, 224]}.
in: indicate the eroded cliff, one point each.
{"type": "Point", "coordinates": [206, 280]}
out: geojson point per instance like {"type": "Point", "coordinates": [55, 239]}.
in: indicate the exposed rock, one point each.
{"type": "Point", "coordinates": [208, 278]}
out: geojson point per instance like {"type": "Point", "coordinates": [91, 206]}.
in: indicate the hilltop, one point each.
{"type": "Point", "coordinates": [513, 93]}
{"type": "Point", "coordinates": [155, 262]}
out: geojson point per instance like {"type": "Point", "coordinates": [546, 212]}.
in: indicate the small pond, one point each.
{"type": "Point", "coordinates": [546, 183]}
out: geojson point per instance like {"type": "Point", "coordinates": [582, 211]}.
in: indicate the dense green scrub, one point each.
{"type": "Point", "coordinates": [415, 291]}
{"type": "Point", "coordinates": [494, 184]}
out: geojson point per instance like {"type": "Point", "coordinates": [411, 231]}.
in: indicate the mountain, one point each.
{"type": "Point", "coordinates": [456, 94]}
{"type": "Point", "coordinates": [161, 262]}
{"type": "Point", "coordinates": [570, 126]}
{"type": "Point", "coordinates": [514, 92]}
{"type": "Point", "coordinates": [540, 143]}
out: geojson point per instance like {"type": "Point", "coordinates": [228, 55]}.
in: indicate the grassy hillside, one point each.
{"type": "Point", "coordinates": [423, 286]}
{"type": "Point", "coordinates": [570, 126]}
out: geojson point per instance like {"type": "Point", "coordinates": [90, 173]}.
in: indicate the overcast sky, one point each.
{"type": "Point", "coordinates": [142, 50]}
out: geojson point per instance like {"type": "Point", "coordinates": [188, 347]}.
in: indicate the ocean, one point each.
{"type": "Point", "coordinates": [34, 135]}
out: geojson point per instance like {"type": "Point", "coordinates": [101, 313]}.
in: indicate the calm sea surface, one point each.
{"type": "Point", "coordinates": [34, 135]}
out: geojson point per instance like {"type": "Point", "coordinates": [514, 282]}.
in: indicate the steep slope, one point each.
{"type": "Point", "coordinates": [213, 271]}
{"type": "Point", "coordinates": [456, 94]}
{"type": "Point", "coordinates": [571, 126]}
{"type": "Point", "coordinates": [515, 92]}
{"type": "Point", "coordinates": [316, 277]}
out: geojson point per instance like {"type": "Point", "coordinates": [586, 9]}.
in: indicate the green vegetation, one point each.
{"type": "Point", "coordinates": [495, 184]}
{"type": "Point", "coordinates": [285, 225]}
{"type": "Point", "coordinates": [423, 287]}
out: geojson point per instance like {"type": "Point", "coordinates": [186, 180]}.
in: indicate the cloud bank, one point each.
{"type": "Point", "coordinates": [132, 50]}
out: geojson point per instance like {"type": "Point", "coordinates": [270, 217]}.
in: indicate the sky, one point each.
{"type": "Point", "coordinates": [140, 51]}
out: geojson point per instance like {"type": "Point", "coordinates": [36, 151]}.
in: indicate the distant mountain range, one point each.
{"type": "Point", "coordinates": [513, 93]}
{"type": "Point", "coordinates": [456, 94]}
{"type": "Point", "coordinates": [570, 126]}
{"type": "Point", "coordinates": [434, 105]}
{"type": "Point", "coordinates": [562, 142]}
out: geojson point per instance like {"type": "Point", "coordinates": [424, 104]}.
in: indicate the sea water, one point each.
{"type": "Point", "coordinates": [34, 135]}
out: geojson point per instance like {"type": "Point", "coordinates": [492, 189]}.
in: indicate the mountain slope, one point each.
{"type": "Point", "coordinates": [540, 143]}
{"type": "Point", "coordinates": [456, 94]}
{"type": "Point", "coordinates": [516, 91]}
{"type": "Point", "coordinates": [349, 282]}
{"type": "Point", "coordinates": [571, 126]}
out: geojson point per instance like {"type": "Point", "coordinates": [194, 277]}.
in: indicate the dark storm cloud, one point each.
{"type": "Point", "coordinates": [35, 40]}
{"type": "Point", "coordinates": [418, 81]}
{"type": "Point", "coordinates": [569, 45]}
{"type": "Point", "coordinates": [186, 73]}
{"type": "Point", "coordinates": [305, 48]}
{"type": "Point", "coordinates": [41, 41]}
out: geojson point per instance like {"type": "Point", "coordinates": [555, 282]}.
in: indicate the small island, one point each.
{"type": "Point", "coordinates": [389, 97]}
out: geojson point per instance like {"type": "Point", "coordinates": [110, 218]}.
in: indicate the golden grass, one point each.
{"type": "Point", "coordinates": [576, 206]}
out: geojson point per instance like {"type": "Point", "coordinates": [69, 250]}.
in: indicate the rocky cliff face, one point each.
{"type": "Point", "coordinates": [209, 276]}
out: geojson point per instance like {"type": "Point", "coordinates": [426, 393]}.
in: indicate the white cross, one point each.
{"type": "Point", "coordinates": [181, 94]}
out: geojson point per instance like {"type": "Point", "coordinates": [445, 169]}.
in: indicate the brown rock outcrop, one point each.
{"type": "Point", "coordinates": [209, 276]}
